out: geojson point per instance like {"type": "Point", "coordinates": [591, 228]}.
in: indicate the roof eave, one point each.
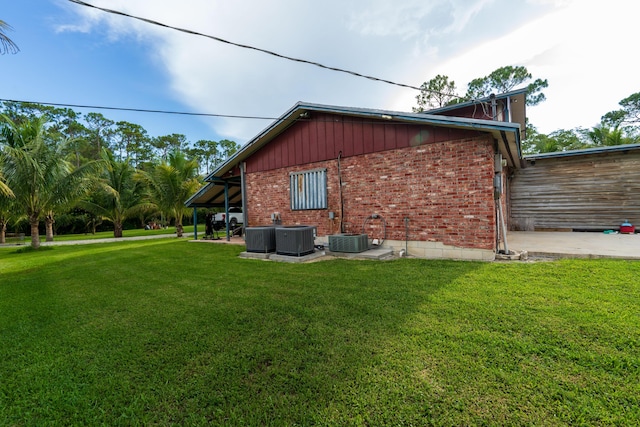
{"type": "Point", "coordinates": [498, 129]}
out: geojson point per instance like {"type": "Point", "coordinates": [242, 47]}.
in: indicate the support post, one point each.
{"type": "Point", "coordinates": [226, 207]}
{"type": "Point", "coordinates": [195, 223]}
{"type": "Point", "coordinates": [243, 191]}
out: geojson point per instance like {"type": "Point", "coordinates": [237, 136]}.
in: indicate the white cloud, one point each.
{"type": "Point", "coordinates": [579, 47]}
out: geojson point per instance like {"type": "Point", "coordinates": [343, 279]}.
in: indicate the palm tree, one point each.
{"type": "Point", "coordinates": [35, 170]}
{"type": "Point", "coordinates": [170, 184]}
{"type": "Point", "coordinates": [119, 196]}
{"type": "Point", "coordinates": [6, 44]}
{"type": "Point", "coordinates": [603, 135]}
{"type": "Point", "coordinates": [8, 214]}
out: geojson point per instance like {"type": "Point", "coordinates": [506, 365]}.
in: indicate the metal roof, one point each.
{"type": "Point", "coordinates": [583, 151]}
{"type": "Point", "coordinates": [213, 194]}
{"type": "Point", "coordinates": [507, 134]}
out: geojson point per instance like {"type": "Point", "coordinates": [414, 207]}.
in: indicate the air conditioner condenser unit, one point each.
{"type": "Point", "coordinates": [353, 243]}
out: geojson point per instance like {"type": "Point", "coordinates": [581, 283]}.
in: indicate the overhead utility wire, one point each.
{"type": "Point", "coordinates": [185, 113]}
{"type": "Point", "coordinates": [141, 110]}
{"type": "Point", "coordinates": [244, 46]}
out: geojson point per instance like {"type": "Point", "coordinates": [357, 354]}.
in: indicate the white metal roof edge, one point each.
{"type": "Point", "coordinates": [583, 151]}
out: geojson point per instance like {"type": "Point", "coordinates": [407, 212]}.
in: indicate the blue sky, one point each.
{"type": "Point", "coordinates": [71, 54]}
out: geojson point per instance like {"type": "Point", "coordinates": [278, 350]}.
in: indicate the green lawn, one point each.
{"type": "Point", "coordinates": [169, 332]}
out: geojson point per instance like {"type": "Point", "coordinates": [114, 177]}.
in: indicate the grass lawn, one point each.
{"type": "Point", "coordinates": [168, 332]}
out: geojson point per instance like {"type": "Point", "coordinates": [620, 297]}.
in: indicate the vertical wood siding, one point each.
{"type": "Point", "coordinates": [589, 192]}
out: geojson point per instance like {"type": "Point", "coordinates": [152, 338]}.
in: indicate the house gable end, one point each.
{"type": "Point", "coordinates": [326, 136]}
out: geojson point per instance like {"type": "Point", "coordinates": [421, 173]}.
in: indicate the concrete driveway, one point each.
{"type": "Point", "coordinates": [575, 245]}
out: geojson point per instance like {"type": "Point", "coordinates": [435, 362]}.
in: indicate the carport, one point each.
{"type": "Point", "coordinates": [217, 193]}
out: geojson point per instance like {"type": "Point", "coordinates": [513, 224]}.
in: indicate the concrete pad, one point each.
{"type": "Point", "coordinates": [575, 244]}
{"type": "Point", "coordinates": [297, 259]}
{"type": "Point", "coordinates": [255, 255]}
{"type": "Point", "coordinates": [375, 253]}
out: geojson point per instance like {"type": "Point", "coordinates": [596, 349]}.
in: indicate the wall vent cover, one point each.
{"type": "Point", "coordinates": [348, 243]}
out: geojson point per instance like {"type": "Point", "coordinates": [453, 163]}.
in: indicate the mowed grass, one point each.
{"type": "Point", "coordinates": [168, 332]}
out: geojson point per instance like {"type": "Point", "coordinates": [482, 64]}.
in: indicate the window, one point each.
{"type": "Point", "coordinates": [308, 189]}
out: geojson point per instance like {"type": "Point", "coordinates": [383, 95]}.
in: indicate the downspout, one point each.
{"type": "Point", "coordinates": [494, 110]}
{"type": "Point", "coordinates": [341, 197]}
{"type": "Point", "coordinates": [507, 110]}
{"type": "Point", "coordinates": [497, 185]}
{"type": "Point", "coordinates": [195, 223]}
{"type": "Point", "coordinates": [497, 195]}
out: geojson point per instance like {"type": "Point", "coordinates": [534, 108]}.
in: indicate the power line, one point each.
{"type": "Point", "coordinates": [142, 110]}
{"type": "Point", "coordinates": [244, 46]}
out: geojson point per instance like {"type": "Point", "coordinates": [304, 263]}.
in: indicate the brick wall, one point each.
{"type": "Point", "coordinates": [444, 189]}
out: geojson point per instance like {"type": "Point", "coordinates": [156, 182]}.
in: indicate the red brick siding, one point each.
{"type": "Point", "coordinates": [445, 189]}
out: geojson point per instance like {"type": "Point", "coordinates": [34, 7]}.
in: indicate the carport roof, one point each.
{"type": "Point", "coordinates": [212, 195]}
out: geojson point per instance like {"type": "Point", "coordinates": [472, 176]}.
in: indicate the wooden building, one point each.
{"type": "Point", "coordinates": [591, 189]}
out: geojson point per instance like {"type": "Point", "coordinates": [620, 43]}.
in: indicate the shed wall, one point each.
{"type": "Point", "coordinates": [588, 192]}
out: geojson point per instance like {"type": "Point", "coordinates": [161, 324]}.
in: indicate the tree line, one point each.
{"type": "Point", "coordinates": [616, 127]}
{"type": "Point", "coordinates": [89, 170]}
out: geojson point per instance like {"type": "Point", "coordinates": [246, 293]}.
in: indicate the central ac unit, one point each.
{"type": "Point", "coordinates": [260, 239]}
{"type": "Point", "coordinates": [294, 240]}
{"type": "Point", "coordinates": [348, 243]}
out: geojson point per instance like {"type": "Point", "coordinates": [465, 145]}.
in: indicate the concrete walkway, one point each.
{"type": "Point", "coordinates": [575, 245]}
{"type": "Point", "coordinates": [536, 243]}
{"type": "Point", "coordinates": [27, 240]}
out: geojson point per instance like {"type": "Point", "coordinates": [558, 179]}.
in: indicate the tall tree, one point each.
{"type": "Point", "coordinates": [166, 144]}
{"type": "Point", "coordinates": [505, 79]}
{"type": "Point", "coordinates": [132, 142]}
{"type": "Point", "coordinates": [628, 115]}
{"type": "Point", "coordinates": [6, 44]}
{"type": "Point", "coordinates": [100, 133]}
{"type": "Point", "coordinates": [435, 93]}
{"type": "Point", "coordinates": [170, 184]}
{"type": "Point", "coordinates": [227, 148]}
{"type": "Point", "coordinates": [208, 152]}
{"type": "Point", "coordinates": [66, 125]}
